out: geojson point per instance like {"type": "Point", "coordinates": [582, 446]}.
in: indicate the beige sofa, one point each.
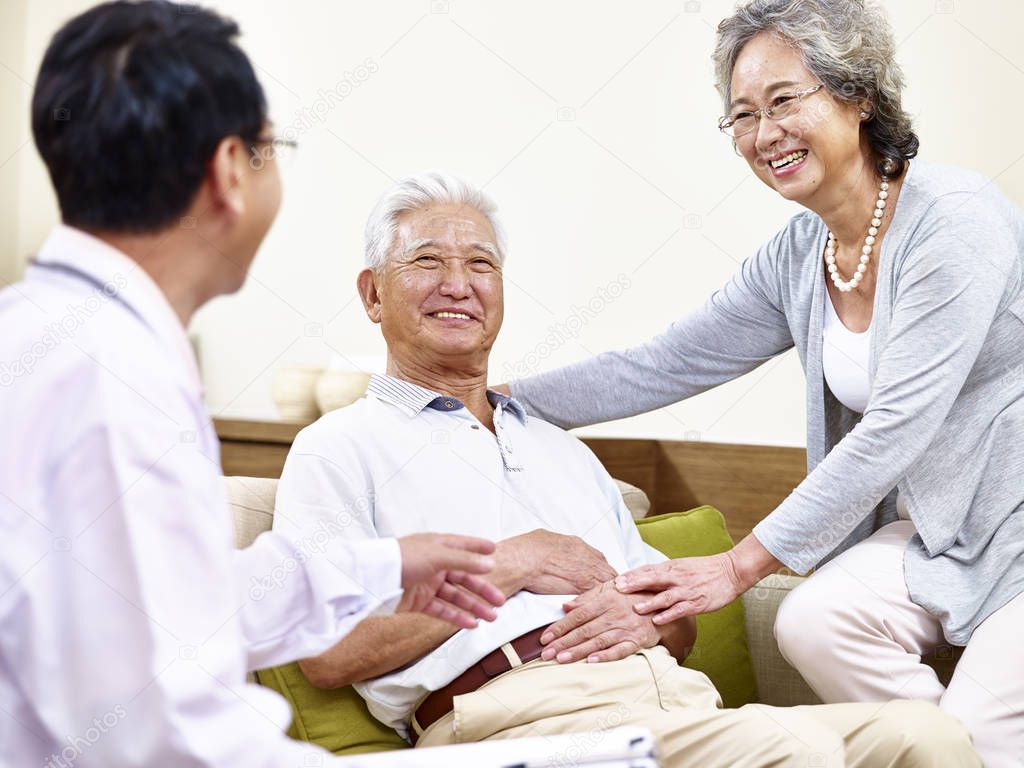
{"type": "Point", "coordinates": [252, 505]}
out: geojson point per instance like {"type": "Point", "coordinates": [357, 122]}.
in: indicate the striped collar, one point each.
{"type": "Point", "coordinates": [413, 398]}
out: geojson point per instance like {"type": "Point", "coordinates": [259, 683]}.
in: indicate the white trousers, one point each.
{"type": "Point", "coordinates": [854, 634]}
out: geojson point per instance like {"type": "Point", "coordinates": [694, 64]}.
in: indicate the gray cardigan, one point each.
{"type": "Point", "coordinates": [945, 420]}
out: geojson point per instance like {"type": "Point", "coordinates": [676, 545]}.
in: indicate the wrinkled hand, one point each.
{"type": "Point", "coordinates": [553, 563]}
{"type": "Point", "coordinates": [685, 587]}
{"type": "Point", "coordinates": [440, 576]}
{"type": "Point", "coordinates": [600, 625]}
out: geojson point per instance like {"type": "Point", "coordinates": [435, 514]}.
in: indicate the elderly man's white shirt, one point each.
{"type": "Point", "coordinates": [395, 465]}
{"type": "Point", "coordinates": [127, 621]}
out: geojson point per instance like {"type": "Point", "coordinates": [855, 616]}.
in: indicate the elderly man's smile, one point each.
{"type": "Point", "coordinates": [454, 317]}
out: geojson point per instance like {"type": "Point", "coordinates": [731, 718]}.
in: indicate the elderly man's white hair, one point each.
{"type": "Point", "coordinates": [420, 191]}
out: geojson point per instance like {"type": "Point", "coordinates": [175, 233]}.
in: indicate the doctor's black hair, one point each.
{"type": "Point", "coordinates": [131, 100]}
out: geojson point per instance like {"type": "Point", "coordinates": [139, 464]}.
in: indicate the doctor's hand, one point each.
{"type": "Point", "coordinates": [441, 578]}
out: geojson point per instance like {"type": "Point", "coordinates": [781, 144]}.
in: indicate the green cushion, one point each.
{"type": "Point", "coordinates": [338, 720]}
{"type": "Point", "coordinates": [721, 651]}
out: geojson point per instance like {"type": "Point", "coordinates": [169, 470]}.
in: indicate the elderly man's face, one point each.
{"type": "Point", "coordinates": [439, 299]}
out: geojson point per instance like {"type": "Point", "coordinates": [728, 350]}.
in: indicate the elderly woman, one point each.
{"type": "Point", "coordinates": [900, 287]}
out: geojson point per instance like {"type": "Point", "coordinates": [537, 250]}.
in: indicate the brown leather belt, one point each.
{"type": "Point", "coordinates": [441, 702]}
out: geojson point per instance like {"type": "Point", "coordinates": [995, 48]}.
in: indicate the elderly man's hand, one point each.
{"type": "Point", "coordinates": [549, 563]}
{"type": "Point", "coordinates": [440, 576]}
{"type": "Point", "coordinates": [600, 625]}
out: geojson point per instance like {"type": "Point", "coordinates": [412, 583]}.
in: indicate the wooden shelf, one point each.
{"type": "Point", "coordinates": [247, 430]}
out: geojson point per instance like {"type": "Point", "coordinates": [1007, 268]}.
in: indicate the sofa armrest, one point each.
{"type": "Point", "coordinates": [778, 683]}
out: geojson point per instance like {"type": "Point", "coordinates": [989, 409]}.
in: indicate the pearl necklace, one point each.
{"type": "Point", "coordinates": [865, 253]}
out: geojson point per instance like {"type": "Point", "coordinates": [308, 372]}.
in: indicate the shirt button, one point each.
{"type": "Point", "coordinates": [474, 426]}
{"type": "Point", "coordinates": [449, 404]}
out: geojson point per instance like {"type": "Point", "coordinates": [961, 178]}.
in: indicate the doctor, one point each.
{"type": "Point", "coordinates": [127, 622]}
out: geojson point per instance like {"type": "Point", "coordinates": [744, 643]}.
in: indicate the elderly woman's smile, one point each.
{"type": "Point", "coordinates": [785, 163]}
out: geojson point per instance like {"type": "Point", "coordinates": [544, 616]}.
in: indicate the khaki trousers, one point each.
{"type": "Point", "coordinates": [682, 708]}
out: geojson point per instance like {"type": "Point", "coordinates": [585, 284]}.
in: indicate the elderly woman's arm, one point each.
{"type": "Point", "coordinates": [947, 295]}
{"type": "Point", "coordinates": [737, 329]}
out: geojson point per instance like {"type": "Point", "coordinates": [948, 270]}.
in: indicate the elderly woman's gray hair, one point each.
{"type": "Point", "coordinates": [848, 45]}
{"type": "Point", "coordinates": [421, 191]}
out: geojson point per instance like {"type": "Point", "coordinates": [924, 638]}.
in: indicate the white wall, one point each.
{"type": "Point", "coordinates": [593, 125]}
{"type": "Point", "coordinates": [15, 88]}
{"type": "Point", "coordinates": [26, 31]}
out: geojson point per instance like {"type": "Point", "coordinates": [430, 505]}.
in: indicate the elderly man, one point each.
{"type": "Point", "coordinates": [430, 447]}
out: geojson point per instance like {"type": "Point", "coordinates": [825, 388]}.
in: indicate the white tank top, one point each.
{"type": "Point", "coordinates": [844, 358]}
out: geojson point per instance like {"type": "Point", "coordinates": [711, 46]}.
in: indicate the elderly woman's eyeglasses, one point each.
{"type": "Point", "coordinates": [782, 106]}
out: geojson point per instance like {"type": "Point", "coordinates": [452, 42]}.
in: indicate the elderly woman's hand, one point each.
{"type": "Point", "coordinates": [698, 585]}
{"type": "Point", "coordinates": [694, 585]}
{"type": "Point", "coordinates": [685, 587]}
